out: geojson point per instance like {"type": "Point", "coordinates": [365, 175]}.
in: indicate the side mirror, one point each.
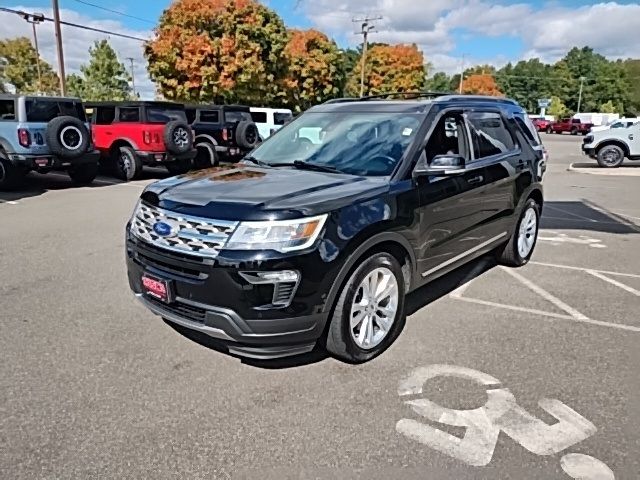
{"type": "Point", "coordinates": [449, 164]}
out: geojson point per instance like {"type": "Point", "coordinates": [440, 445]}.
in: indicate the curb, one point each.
{"type": "Point", "coordinates": [596, 170]}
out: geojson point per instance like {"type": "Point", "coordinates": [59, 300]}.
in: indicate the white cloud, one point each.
{"type": "Point", "coordinates": [76, 42]}
{"type": "Point", "coordinates": [546, 30]}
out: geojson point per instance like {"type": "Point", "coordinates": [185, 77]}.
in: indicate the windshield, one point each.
{"type": "Point", "coordinates": [43, 111]}
{"type": "Point", "coordinates": [165, 115]}
{"type": "Point", "coordinates": [369, 144]}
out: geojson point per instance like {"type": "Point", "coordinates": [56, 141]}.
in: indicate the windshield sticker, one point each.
{"type": "Point", "coordinates": [407, 131]}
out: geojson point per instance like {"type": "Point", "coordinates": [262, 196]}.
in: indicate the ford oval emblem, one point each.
{"type": "Point", "coordinates": [164, 229]}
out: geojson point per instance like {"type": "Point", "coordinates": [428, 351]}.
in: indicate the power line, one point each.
{"type": "Point", "coordinates": [75, 25]}
{"type": "Point", "coordinates": [115, 11]}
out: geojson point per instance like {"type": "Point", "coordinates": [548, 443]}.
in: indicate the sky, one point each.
{"type": "Point", "coordinates": [451, 33]}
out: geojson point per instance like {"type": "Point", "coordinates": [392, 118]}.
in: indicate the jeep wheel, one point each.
{"type": "Point", "coordinates": [128, 165]}
{"type": "Point", "coordinates": [206, 157]}
{"type": "Point", "coordinates": [83, 174]}
{"type": "Point", "coordinates": [369, 313]}
{"type": "Point", "coordinates": [549, 130]}
{"type": "Point", "coordinates": [519, 248]}
{"type": "Point", "coordinates": [178, 167]}
{"type": "Point", "coordinates": [67, 137]}
{"type": "Point", "coordinates": [178, 137]}
{"type": "Point", "coordinates": [10, 176]}
{"type": "Point", "coordinates": [574, 131]}
{"type": "Point", "coordinates": [247, 135]}
{"type": "Point", "coordinates": [610, 156]}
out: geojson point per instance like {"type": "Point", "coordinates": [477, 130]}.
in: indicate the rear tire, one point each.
{"type": "Point", "coordinates": [518, 250]}
{"type": "Point", "coordinates": [179, 167]}
{"type": "Point", "coordinates": [610, 156]}
{"type": "Point", "coordinates": [383, 315]}
{"type": "Point", "coordinates": [83, 174]}
{"type": "Point", "coordinates": [127, 164]}
{"type": "Point", "coordinates": [206, 157]}
{"type": "Point", "coordinates": [11, 177]}
{"type": "Point", "coordinates": [574, 131]}
{"type": "Point", "coordinates": [549, 130]}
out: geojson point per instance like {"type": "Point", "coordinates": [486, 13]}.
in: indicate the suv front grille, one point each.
{"type": "Point", "coordinates": [198, 236]}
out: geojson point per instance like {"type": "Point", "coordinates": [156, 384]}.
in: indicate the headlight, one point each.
{"type": "Point", "coordinates": [279, 235]}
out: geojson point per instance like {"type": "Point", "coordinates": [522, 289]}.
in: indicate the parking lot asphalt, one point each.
{"type": "Point", "coordinates": [92, 385]}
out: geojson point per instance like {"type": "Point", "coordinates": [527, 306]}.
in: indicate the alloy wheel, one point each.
{"type": "Point", "coordinates": [528, 232]}
{"type": "Point", "coordinates": [374, 308]}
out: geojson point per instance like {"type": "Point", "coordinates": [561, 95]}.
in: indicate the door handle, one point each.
{"type": "Point", "coordinates": [477, 179]}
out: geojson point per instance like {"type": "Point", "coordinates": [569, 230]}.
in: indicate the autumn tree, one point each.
{"type": "Point", "coordinates": [389, 68]}
{"type": "Point", "coordinates": [481, 84]}
{"type": "Point", "coordinates": [218, 50]}
{"type": "Point", "coordinates": [314, 70]}
{"type": "Point", "coordinates": [19, 67]}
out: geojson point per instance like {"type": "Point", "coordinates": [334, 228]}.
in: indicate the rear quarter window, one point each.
{"type": "Point", "coordinates": [528, 129]}
{"type": "Point", "coordinates": [43, 111]}
{"type": "Point", "coordinates": [280, 118]}
{"type": "Point", "coordinates": [259, 117]}
{"type": "Point", "coordinates": [7, 110]}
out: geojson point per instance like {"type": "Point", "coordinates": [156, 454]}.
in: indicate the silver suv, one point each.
{"type": "Point", "coordinates": [610, 147]}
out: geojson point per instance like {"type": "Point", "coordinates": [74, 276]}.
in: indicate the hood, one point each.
{"type": "Point", "coordinates": [245, 192]}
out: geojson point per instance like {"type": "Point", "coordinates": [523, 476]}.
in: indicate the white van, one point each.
{"type": "Point", "coordinates": [270, 120]}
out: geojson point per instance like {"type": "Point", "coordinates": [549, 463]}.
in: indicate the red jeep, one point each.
{"type": "Point", "coordinates": [541, 123]}
{"type": "Point", "coordinates": [570, 125]}
{"type": "Point", "coordinates": [132, 134]}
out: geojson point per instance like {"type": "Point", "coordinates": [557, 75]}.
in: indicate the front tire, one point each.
{"type": "Point", "coordinates": [369, 313]}
{"type": "Point", "coordinates": [10, 175]}
{"type": "Point", "coordinates": [517, 252]}
{"type": "Point", "coordinates": [83, 174]}
{"type": "Point", "coordinates": [610, 156]}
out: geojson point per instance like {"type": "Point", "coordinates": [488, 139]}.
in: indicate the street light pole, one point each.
{"type": "Point", "coordinates": [461, 74]}
{"type": "Point", "coordinates": [580, 94]}
{"type": "Point", "coordinates": [56, 21]}
{"type": "Point", "coordinates": [34, 20]}
{"type": "Point", "coordinates": [133, 77]}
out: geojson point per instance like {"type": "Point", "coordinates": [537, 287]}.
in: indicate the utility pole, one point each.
{"type": "Point", "coordinates": [461, 73]}
{"type": "Point", "coordinates": [365, 28]}
{"type": "Point", "coordinates": [133, 77]}
{"type": "Point", "coordinates": [580, 94]}
{"type": "Point", "coordinates": [56, 21]}
{"type": "Point", "coordinates": [35, 19]}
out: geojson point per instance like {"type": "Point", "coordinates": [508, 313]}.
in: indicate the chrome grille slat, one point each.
{"type": "Point", "coordinates": [198, 236]}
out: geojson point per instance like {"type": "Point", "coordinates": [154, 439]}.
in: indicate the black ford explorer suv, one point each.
{"type": "Point", "coordinates": [322, 231]}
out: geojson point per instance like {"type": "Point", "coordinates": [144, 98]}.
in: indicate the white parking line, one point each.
{"type": "Point", "coordinates": [10, 202]}
{"type": "Point", "coordinates": [570, 267]}
{"type": "Point", "coordinates": [614, 282]}
{"type": "Point", "coordinates": [567, 219]}
{"type": "Point", "coordinates": [97, 181]}
{"type": "Point", "coordinates": [546, 295]}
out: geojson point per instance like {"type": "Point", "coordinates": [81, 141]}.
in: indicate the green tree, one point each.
{"type": "Point", "coordinates": [315, 70]}
{"type": "Point", "coordinates": [608, 107]}
{"type": "Point", "coordinates": [219, 50]}
{"type": "Point", "coordinates": [557, 108]}
{"type": "Point", "coordinates": [75, 85]}
{"type": "Point", "coordinates": [632, 70]}
{"type": "Point", "coordinates": [526, 82]}
{"type": "Point", "coordinates": [439, 82]}
{"type": "Point", "coordinates": [19, 67]}
{"type": "Point", "coordinates": [104, 78]}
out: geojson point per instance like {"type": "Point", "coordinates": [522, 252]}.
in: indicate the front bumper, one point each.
{"type": "Point", "coordinates": [52, 162]}
{"type": "Point", "coordinates": [588, 150]}
{"type": "Point", "coordinates": [151, 158]}
{"type": "Point", "coordinates": [212, 297]}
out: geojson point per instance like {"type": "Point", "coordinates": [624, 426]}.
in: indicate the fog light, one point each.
{"type": "Point", "coordinates": [285, 283]}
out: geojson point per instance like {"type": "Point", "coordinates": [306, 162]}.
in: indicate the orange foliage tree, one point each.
{"type": "Point", "coordinates": [218, 50]}
{"type": "Point", "coordinates": [389, 68]}
{"type": "Point", "coordinates": [481, 84]}
{"type": "Point", "coordinates": [314, 69]}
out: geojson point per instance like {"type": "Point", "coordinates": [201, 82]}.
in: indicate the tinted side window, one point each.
{"type": "Point", "coordinates": [7, 110]}
{"type": "Point", "coordinates": [528, 129]}
{"type": "Point", "coordinates": [280, 118]}
{"type": "Point", "coordinates": [129, 114]}
{"type": "Point", "coordinates": [191, 115]}
{"type": "Point", "coordinates": [105, 115]}
{"type": "Point", "coordinates": [489, 134]}
{"type": "Point", "coordinates": [259, 117]}
{"type": "Point", "coordinates": [210, 116]}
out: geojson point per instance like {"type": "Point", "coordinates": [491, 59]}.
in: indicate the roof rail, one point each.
{"type": "Point", "coordinates": [482, 98]}
{"type": "Point", "coordinates": [390, 94]}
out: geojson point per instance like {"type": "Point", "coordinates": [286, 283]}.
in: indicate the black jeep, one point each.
{"type": "Point", "coordinates": [319, 234]}
{"type": "Point", "coordinates": [223, 132]}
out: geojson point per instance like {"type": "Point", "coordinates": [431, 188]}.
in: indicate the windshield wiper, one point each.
{"type": "Point", "coordinates": [255, 161]}
{"type": "Point", "coordinates": [314, 166]}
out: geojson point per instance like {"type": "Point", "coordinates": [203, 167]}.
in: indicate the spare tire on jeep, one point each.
{"type": "Point", "coordinates": [67, 137]}
{"type": "Point", "coordinates": [178, 137]}
{"type": "Point", "coordinates": [247, 135]}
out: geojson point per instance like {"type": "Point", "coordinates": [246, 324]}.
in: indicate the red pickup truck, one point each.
{"type": "Point", "coordinates": [541, 123]}
{"type": "Point", "coordinates": [574, 126]}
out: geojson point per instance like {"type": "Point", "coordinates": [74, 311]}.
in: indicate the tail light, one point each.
{"type": "Point", "coordinates": [24, 138]}
{"type": "Point", "coordinates": [225, 134]}
{"type": "Point", "coordinates": [156, 137]}
{"type": "Point", "coordinates": [146, 137]}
